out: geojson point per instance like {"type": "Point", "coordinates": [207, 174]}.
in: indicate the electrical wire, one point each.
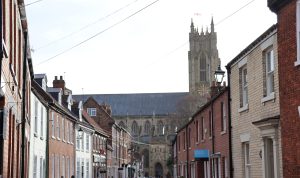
{"type": "Point", "coordinates": [97, 34]}
{"type": "Point", "coordinates": [186, 42]}
{"type": "Point", "coordinates": [234, 12]}
{"type": "Point", "coordinates": [84, 27]}
{"type": "Point", "coordinates": [32, 3]}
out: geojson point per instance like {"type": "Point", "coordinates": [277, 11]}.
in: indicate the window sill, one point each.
{"type": "Point", "coordinates": [210, 137]}
{"type": "Point", "coordinates": [53, 137]}
{"type": "Point", "coordinates": [58, 138]}
{"type": "Point", "coordinates": [297, 63]}
{"type": "Point", "coordinates": [35, 135]}
{"type": "Point", "coordinates": [223, 132]}
{"type": "Point", "coordinates": [202, 141]}
{"type": "Point", "coordinates": [244, 108]}
{"type": "Point", "coordinates": [271, 96]}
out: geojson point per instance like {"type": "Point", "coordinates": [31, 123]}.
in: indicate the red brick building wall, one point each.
{"type": "Point", "coordinates": [61, 146]}
{"type": "Point", "coordinates": [289, 85]}
{"type": "Point", "coordinates": [203, 133]}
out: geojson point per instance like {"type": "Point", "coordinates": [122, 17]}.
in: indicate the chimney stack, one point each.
{"type": "Point", "coordinates": [59, 83]}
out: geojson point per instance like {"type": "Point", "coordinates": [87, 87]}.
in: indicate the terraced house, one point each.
{"type": "Point", "coordinates": [255, 113]}
{"type": "Point", "coordinates": [288, 17]}
{"type": "Point", "coordinates": [61, 131]}
{"type": "Point", "coordinates": [16, 73]}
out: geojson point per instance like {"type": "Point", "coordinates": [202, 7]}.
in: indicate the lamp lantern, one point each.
{"type": "Point", "coordinates": [219, 75]}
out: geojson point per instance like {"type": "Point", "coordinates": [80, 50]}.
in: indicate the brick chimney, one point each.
{"type": "Point", "coordinates": [59, 83]}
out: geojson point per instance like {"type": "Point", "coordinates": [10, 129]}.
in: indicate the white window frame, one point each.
{"type": "Point", "coordinates": [92, 111]}
{"type": "Point", "coordinates": [53, 166]}
{"type": "Point", "coordinates": [71, 132]}
{"type": "Point", "coordinates": [42, 122]}
{"type": "Point", "coordinates": [78, 167]}
{"type": "Point", "coordinates": [87, 142]}
{"type": "Point", "coordinates": [224, 120]}
{"type": "Point", "coordinates": [67, 134]}
{"type": "Point", "coordinates": [297, 62]}
{"type": "Point", "coordinates": [245, 85]}
{"type": "Point", "coordinates": [87, 168]}
{"type": "Point", "coordinates": [35, 165]}
{"type": "Point", "coordinates": [270, 72]}
{"type": "Point", "coordinates": [36, 111]}
{"type": "Point", "coordinates": [63, 166]}
{"type": "Point", "coordinates": [82, 142]}
{"type": "Point", "coordinates": [53, 124]}
{"type": "Point", "coordinates": [41, 167]}
{"type": "Point", "coordinates": [57, 128]}
{"type": "Point", "coordinates": [57, 171]}
{"type": "Point", "coordinates": [63, 128]}
{"type": "Point", "coordinates": [247, 162]}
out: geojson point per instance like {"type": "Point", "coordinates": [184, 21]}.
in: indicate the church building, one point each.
{"type": "Point", "coordinates": [154, 118]}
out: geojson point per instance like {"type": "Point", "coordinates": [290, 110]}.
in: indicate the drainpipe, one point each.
{"type": "Point", "coordinates": [106, 157]}
{"type": "Point", "coordinates": [187, 151]}
{"type": "Point", "coordinates": [212, 134]}
{"type": "Point", "coordinates": [1, 123]}
{"type": "Point", "coordinates": [47, 143]}
{"type": "Point", "coordinates": [23, 153]}
{"type": "Point", "coordinates": [229, 123]}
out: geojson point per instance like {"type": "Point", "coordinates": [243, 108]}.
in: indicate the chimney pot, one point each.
{"type": "Point", "coordinates": [61, 77]}
{"type": "Point", "coordinates": [55, 78]}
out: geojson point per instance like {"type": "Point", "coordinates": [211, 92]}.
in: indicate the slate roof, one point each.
{"type": "Point", "coordinates": [145, 104]}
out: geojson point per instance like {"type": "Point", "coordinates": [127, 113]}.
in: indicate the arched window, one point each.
{"type": "Point", "coordinates": [121, 124]}
{"type": "Point", "coordinates": [147, 128]}
{"type": "Point", "coordinates": [203, 68]}
{"type": "Point", "coordinates": [146, 158]}
{"type": "Point", "coordinates": [134, 128]}
{"type": "Point", "coordinates": [160, 128]}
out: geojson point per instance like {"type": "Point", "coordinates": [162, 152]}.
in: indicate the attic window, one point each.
{"type": "Point", "coordinates": [91, 111]}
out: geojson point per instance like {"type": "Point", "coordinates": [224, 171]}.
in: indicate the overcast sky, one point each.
{"type": "Point", "coordinates": [135, 46]}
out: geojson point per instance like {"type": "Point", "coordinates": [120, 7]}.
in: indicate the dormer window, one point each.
{"type": "Point", "coordinates": [70, 102]}
{"type": "Point", "coordinates": [59, 98]}
{"type": "Point", "coordinates": [92, 111]}
{"type": "Point", "coordinates": [80, 108]}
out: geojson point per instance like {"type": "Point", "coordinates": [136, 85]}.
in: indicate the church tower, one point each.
{"type": "Point", "coordinates": [203, 59]}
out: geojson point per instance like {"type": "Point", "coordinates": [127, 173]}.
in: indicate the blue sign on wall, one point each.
{"type": "Point", "coordinates": [201, 154]}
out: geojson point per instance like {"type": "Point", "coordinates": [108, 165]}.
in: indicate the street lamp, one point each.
{"type": "Point", "coordinates": [80, 133]}
{"type": "Point", "coordinates": [219, 75]}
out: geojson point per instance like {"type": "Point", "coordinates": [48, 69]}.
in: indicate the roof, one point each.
{"type": "Point", "coordinates": [207, 104]}
{"type": "Point", "coordinates": [93, 123]}
{"type": "Point", "coordinates": [252, 45]}
{"type": "Point", "coordinates": [138, 103]}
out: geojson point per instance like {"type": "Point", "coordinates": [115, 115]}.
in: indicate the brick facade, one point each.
{"type": "Point", "coordinates": [205, 132]}
{"type": "Point", "coordinates": [289, 85]}
{"type": "Point", "coordinates": [257, 114]}
{"type": "Point", "coordinates": [12, 99]}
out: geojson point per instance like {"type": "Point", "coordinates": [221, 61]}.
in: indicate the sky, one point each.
{"type": "Point", "coordinates": [134, 46]}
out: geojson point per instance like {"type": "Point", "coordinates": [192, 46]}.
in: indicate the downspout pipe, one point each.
{"type": "Point", "coordinates": [187, 151]}
{"type": "Point", "coordinates": [229, 122]}
{"type": "Point", "coordinates": [1, 123]}
{"type": "Point", "coordinates": [212, 133]}
{"type": "Point", "coordinates": [47, 142]}
{"type": "Point", "coordinates": [23, 146]}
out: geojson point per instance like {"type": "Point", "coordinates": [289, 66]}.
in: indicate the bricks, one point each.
{"type": "Point", "coordinates": [289, 86]}
{"type": "Point", "coordinates": [257, 109]}
{"type": "Point", "coordinates": [217, 142]}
